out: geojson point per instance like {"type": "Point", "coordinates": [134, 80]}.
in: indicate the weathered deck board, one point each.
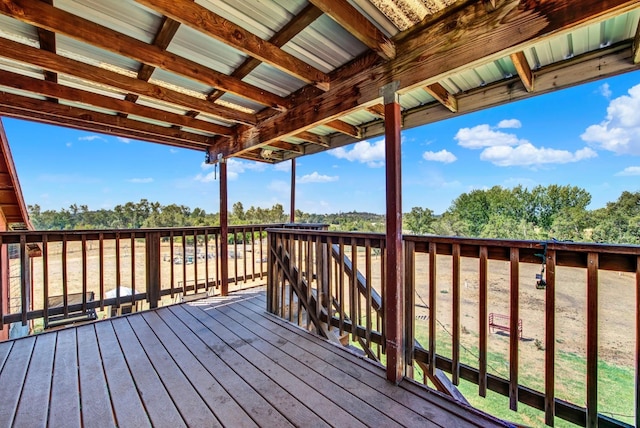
{"type": "Point", "coordinates": [217, 362]}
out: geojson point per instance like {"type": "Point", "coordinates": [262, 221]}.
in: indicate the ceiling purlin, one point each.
{"type": "Point", "coordinates": [358, 25]}
{"type": "Point", "coordinates": [205, 21]}
{"type": "Point", "coordinates": [86, 72]}
{"type": "Point", "coordinates": [465, 38]}
{"type": "Point", "coordinates": [47, 112]}
{"type": "Point", "coordinates": [62, 22]}
{"type": "Point", "coordinates": [162, 39]}
{"type": "Point", "coordinates": [298, 23]}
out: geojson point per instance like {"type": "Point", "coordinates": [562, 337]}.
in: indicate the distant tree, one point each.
{"type": "Point", "coordinates": [419, 220]}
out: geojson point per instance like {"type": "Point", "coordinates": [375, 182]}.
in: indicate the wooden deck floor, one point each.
{"type": "Point", "coordinates": [218, 362]}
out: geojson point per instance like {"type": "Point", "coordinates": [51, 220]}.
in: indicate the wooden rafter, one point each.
{"type": "Point", "coordinates": [283, 145]}
{"type": "Point", "coordinates": [47, 41]}
{"type": "Point", "coordinates": [451, 44]}
{"type": "Point", "coordinates": [310, 137]}
{"type": "Point", "coordinates": [358, 25]}
{"type": "Point", "coordinates": [344, 127]}
{"type": "Point", "coordinates": [524, 71]}
{"type": "Point", "coordinates": [203, 20]}
{"type": "Point", "coordinates": [444, 97]}
{"type": "Point", "coordinates": [636, 45]}
{"type": "Point", "coordinates": [309, 14]}
{"type": "Point", "coordinates": [60, 64]}
{"type": "Point", "coordinates": [62, 22]}
{"type": "Point", "coordinates": [50, 89]}
{"type": "Point", "coordinates": [167, 30]}
{"type": "Point", "coordinates": [47, 112]}
{"type": "Point", "coordinates": [376, 109]}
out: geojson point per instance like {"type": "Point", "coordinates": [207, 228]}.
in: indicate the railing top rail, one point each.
{"type": "Point", "coordinates": [331, 233]}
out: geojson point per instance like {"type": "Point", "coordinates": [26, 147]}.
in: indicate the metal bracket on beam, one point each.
{"type": "Point", "coordinates": [389, 92]}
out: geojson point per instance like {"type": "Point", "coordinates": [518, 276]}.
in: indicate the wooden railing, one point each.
{"type": "Point", "coordinates": [72, 274]}
{"type": "Point", "coordinates": [334, 282]}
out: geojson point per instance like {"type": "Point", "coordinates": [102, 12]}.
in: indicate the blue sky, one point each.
{"type": "Point", "coordinates": [588, 136]}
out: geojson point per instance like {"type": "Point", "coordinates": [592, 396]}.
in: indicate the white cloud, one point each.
{"type": "Point", "coordinates": [528, 155]}
{"type": "Point", "coordinates": [314, 177]}
{"type": "Point", "coordinates": [69, 144]}
{"type": "Point", "coordinates": [91, 138]}
{"type": "Point", "coordinates": [371, 154]}
{"type": "Point", "coordinates": [605, 90]}
{"type": "Point", "coordinates": [283, 166]}
{"type": "Point", "coordinates": [629, 171]}
{"type": "Point", "coordinates": [279, 186]}
{"type": "Point", "coordinates": [124, 140]}
{"type": "Point", "coordinates": [620, 131]}
{"type": "Point", "coordinates": [481, 136]}
{"type": "Point", "coordinates": [510, 123]}
{"type": "Point", "coordinates": [173, 151]}
{"type": "Point", "coordinates": [141, 180]}
{"type": "Point", "coordinates": [443, 156]}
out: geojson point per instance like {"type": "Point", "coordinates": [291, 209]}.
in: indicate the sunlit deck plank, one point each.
{"type": "Point", "coordinates": [438, 409]}
{"type": "Point", "coordinates": [127, 407]}
{"type": "Point", "coordinates": [161, 409]}
{"type": "Point", "coordinates": [64, 409]}
{"type": "Point", "coordinates": [255, 406]}
{"type": "Point", "coordinates": [95, 401]}
{"type": "Point", "coordinates": [286, 403]}
{"type": "Point", "coordinates": [226, 409]}
{"type": "Point", "coordinates": [322, 407]}
{"type": "Point", "coordinates": [192, 408]}
{"type": "Point", "coordinates": [12, 378]}
{"type": "Point", "coordinates": [37, 385]}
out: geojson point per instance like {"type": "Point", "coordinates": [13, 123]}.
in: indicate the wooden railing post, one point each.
{"type": "Point", "coordinates": [224, 232]}
{"type": "Point", "coordinates": [152, 242]}
{"type": "Point", "coordinates": [393, 295]}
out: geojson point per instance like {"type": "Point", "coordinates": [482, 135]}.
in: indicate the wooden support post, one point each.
{"type": "Point", "coordinates": [394, 285]}
{"type": "Point", "coordinates": [224, 231]}
{"type": "Point", "coordinates": [292, 216]}
{"type": "Point", "coordinates": [152, 242]}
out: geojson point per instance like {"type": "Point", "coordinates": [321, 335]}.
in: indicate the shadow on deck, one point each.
{"type": "Point", "coordinates": [213, 362]}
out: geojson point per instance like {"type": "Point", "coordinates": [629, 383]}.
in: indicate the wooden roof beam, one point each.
{"type": "Point", "coordinates": [344, 127]}
{"type": "Point", "coordinates": [49, 89]}
{"type": "Point", "coordinates": [467, 37]}
{"type": "Point", "coordinates": [62, 22]}
{"type": "Point", "coordinates": [309, 14]}
{"type": "Point", "coordinates": [523, 69]}
{"type": "Point", "coordinates": [47, 41]}
{"type": "Point", "coordinates": [358, 25]}
{"type": "Point", "coordinates": [63, 65]}
{"type": "Point", "coordinates": [202, 19]}
{"type": "Point", "coordinates": [56, 114]}
{"type": "Point", "coordinates": [444, 97]}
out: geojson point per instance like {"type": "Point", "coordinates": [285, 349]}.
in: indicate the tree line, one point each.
{"type": "Point", "coordinates": [542, 213]}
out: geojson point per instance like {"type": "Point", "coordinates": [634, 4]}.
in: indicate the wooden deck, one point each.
{"type": "Point", "coordinates": [214, 362]}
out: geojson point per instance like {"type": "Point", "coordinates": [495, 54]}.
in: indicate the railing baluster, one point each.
{"type": "Point", "coordinates": [133, 268]}
{"type": "Point", "coordinates": [184, 263]}
{"type": "Point", "coordinates": [218, 261]}
{"type": "Point", "coordinates": [117, 270]}
{"type": "Point", "coordinates": [195, 261]}
{"type": "Point", "coordinates": [514, 337]}
{"type": "Point", "coordinates": [637, 398]}
{"type": "Point", "coordinates": [550, 339]}
{"type": "Point", "coordinates": [1, 293]}
{"type": "Point", "coordinates": [592, 340]}
{"type": "Point", "coordinates": [171, 270]}
{"type": "Point", "coordinates": [455, 351]}
{"type": "Point", "coordinates": [235, 256]}
{"type": "Point", "coordinates": [432, 308]}
{"type": "Point", "coordinates": [383, 276]}
{"type": "Point", "coordinates": [341, 285]}
{"type": "Point", "coordinates": [367, 263]}
{"type": "Point", "coordinates": [253, 254]}
{"type": "Point", "coordinates": [300, 279]}
{"type": "Point", "coordinates": [355, 294]}
{"type": "Point", "coordinates": [24, 274]}
{"type": "Point", "coordinates": [410, 305]}
{"type": "Point", "coordinates": [206, 260]}
{"type": "Point", "coordinates": [329, 285]}
{"type": "Point", "coordinates": [100, 267]}
{"type": "Point", "coordinates": [84, 273]}
{"type": "Point", "coordinates": [65, 294]}
{"type": "Point", "coordinates": [482, 319]}
{"type": "Point", "coordinates": [244, 254]}
{"type": "Point", "coordinates": [261, 255]}
{"type": "Point", "coordinates": [309, 273]}
{"type": "Point", "coordinates": [45, 277]}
